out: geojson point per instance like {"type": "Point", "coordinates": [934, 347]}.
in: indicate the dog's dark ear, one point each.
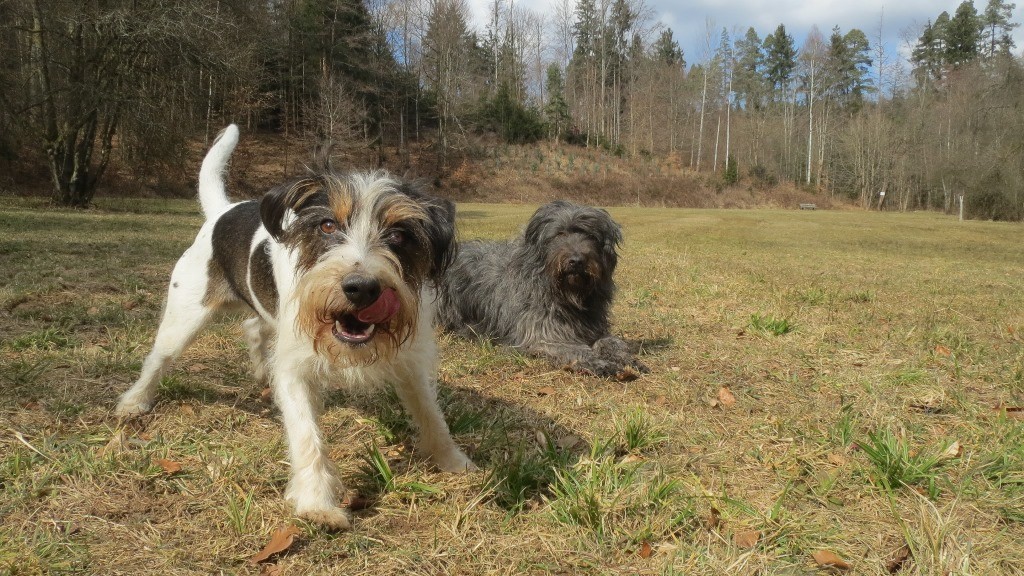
{"type": "Point", "coordinates": [439, 228]}
{"type": "Point", "coordinates": [541, 220]}
{"type": "Point", "coordinates": [274, 205]}
{"type": "Point", "coordinates": [611, 232]}
{"type": "Point", "coordinates": [441, 232]}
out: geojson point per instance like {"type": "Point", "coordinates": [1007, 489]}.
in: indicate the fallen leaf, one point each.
{"type": "Point", "coordinates": [927, 408]}
{"type": "Point", "coordinates": [630, 459]}
{"type": "Point", "coordinates": [92, 311]}
{"type": "Point", "coordinates": [627, 374]}
{"type": "Point", "coordinates": [271, 570]}
{"type": "Point", "coordinates": [29, 405]}
{"type": "Point", "coordinates": [541, 437]}
{"type": "Point", "coordinates": [955, 450]}
{"type": "Point", "coordinates": [118, 443]}
{"type": "Point", "coordinates": [646, 550]}
{"type": "Point", "coordinates": [265, 394]}
{"type": "Point", "coordinates": [169, 466]}
{"type": "Point", "coordinates": [746, 539]}
{"type": "Point", "coordinates": [1011, 411]}
{"type": "Point", "coordinates": [280, 541]}
{"type": "Point", "coordinates": [129, 305]}
{"type": "Point", "coordinates": [545, 391]}
{"type": "Point", "coordinates": [355, 501]}
{"type": "Point", "coordinates": [943, 351]}
{"type": "Point", "coordinates": [827, 559]}
{"type": "Point", "coordinates": [197, 367]}
{"type": "Point", "coordinates": [898, 560]}
{"type": "Point", "coordinates": [714, 519]}
{"type": "Point", "coordinates": [726, 397]}
{"type": "Point", "coordinates": [188, 410]}
{"type": "Point", "coordinates": [569, 441]}
{"type": "Point", "coordinates": [837, 459]}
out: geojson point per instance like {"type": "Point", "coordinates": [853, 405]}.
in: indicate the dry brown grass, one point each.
{"type": "Point", "coordinates": [907, 323]}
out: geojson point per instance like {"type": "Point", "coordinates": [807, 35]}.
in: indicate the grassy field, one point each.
{"type": "Point", "coordinates": [821, 382]}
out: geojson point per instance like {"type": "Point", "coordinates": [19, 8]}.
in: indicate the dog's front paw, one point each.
{"type": "Point", "coordinates": [455, 461]}
{"type": "Point", "coordinates": [130, 407]}
{"type": "Point", "coordinates": [334, 517]}
{"type": "Point", "coordinates": [639, 366]}
{"type": "Point", "coordinates": [611, 348]}
{"type": "Point", "coordinates": [595, 366]}
{"type": "Point", "coordinates": [618, 361]}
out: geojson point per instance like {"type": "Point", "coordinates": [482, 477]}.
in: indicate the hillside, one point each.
{"type": "Point", "coordinates": [488, 172]}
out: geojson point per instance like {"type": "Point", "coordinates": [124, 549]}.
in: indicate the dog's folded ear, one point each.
{"type": "Point", "coordinates": [542, 220]}
{"type": "Point", "coordinates": [610, 231]}
{"type": "Point", "coordinates": [275, 205]}
{"type": "Point", "coordinates": [439, 228]}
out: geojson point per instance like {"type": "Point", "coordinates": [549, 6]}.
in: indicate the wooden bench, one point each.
{"type": "Point", "coordinates": [808, 207]}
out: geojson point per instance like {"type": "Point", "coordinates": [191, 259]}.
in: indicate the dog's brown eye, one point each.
{"type": "Point", "coordinates": [395, 238]}
{"type": "Point", "coordinates": [328, 226]}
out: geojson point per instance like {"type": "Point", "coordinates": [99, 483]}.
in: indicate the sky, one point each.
{"type": "Point", "coordinates": [688, 19]}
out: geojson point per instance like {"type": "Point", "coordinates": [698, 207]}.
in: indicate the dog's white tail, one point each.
{"type": "Point", "coordinates": [212, 195]}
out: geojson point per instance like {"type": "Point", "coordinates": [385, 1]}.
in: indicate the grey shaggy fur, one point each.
{"type": "Point", "coordinates": [547, 292]}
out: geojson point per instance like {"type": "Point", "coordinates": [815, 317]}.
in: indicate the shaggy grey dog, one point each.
{"type": "Point", "coordinates": [547, 292]}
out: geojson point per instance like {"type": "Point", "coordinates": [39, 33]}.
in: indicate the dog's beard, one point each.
{"type": "Point", "coordinates": [335, 327]}
{"type": "Point", "coordinates": [575, 283]}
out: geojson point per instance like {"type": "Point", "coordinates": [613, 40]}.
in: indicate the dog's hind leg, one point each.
{"type": "Point", "coordinates": [184, 316]}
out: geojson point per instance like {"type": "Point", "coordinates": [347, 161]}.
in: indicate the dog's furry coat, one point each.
{"type": "Point", "coordinates": [336, 271]}
{"type": "Point", "coordinates": [547, 292]}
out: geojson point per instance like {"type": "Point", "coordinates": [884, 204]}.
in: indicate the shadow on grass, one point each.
{"type": "Point", "coordinates": [519, 448]}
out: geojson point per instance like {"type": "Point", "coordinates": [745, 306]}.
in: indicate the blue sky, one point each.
{"type": "Point", "coordinates": [688, 18]}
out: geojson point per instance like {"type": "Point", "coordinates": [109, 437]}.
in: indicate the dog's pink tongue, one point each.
{"type": "Point", "coordinates": [382, 310]}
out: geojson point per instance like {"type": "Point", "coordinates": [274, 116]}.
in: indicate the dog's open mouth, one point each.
{"type": "Point", "coordinates": [360, 327]}
{"type": "Point", "coordinates": [351, 330]}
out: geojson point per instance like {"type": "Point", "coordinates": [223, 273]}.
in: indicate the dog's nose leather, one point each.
{"type": "Point", "coordinates": [361, 291]}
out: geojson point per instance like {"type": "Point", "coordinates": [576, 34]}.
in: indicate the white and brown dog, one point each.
{"type": "Point", "coordinates": [339, 271]}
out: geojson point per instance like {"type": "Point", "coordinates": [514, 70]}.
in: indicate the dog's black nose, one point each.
{"type": "Point", "coordinates": [575, 262]}
{"type": "Point", "coordinates": [361, 290]}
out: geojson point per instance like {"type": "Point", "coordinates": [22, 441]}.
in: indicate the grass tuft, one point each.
{"type": "Point", "coordinates": [770, 325]}
{"type": "Point", "coordinates": [896, 466]}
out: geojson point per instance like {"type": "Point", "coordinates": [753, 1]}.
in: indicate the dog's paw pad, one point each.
{"type": "Point", "coordinates": [335, 518]}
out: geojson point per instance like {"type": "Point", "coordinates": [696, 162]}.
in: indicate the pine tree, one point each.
{"type": "Point", "coordinates": [849, 60]}
{"type": "Point", "coordinates": [667, 50]}
{"type": "Point", "coordinates": [996, 27]}
{"type": "Point", "coordinates": [928, 57]}
{"type": "Point", "coordinates": [557, 110]}
{"type": "Point", "coordinates": [748, 83]}
{"type": "Point", "coordinates": [780, 59]}
{"type": "Point", "coordinates": [963, 35]}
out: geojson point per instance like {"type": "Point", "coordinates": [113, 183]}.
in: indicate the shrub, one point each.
{"type": "Point", "coordinates": [732, 171]}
